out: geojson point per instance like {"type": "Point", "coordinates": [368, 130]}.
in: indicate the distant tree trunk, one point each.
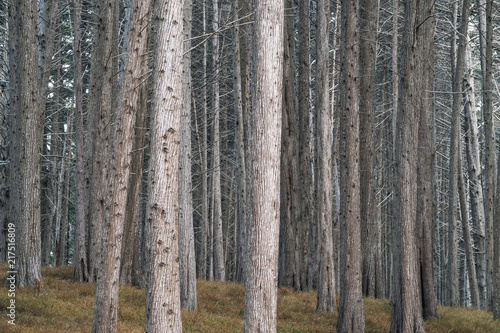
{"type": "Point", "coordinates": [491, 160]}
{"type": "Point", "coordinates": [289, 270]}
{"type": "Point", "coordinates": [163, 308]}
{"type": "Point", "coordinates": [455, 167]}
{"type": "Point", "coordinates": [326, 277]}
{"type": "Point", "coordinates": [218, 251]}
{"type": "Point", "coordinates": [106, 300]}
{"type": "Point", "coordinates": [305, 137]}
{"type": "Point", "coordinates": [80, 247]}
{"type": "Point", "coordinates": [496, 262]}
{"type": "Point", "coordinates": [25, 145]}
{"type": "Point", "coordinates": [370, 224]}
{"type": "Point", "coordinates": [351, 316]}
{"type": "Point", "coordinates": [265, 145]}
{"type": "Point", "coordinates": [103, 85]}
{"type": "Point", "coordinates": [187, 260]}
{"type": "Point", "coordinates": [426, 169]}
{"type": "Point", "coordinates": [406, 311]}
{"type": "Point", "coordinates": [475, 170]}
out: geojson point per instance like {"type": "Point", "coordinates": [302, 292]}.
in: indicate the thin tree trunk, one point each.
{"type": "Point", "coordinates": [106, 300]}
{"type": "Point", "coordinates": [27, 121]}
{"type": "Point", "coordinates": [351, 316]}
{"type": "Point", "coordinates": [187, 260]}
{"type": "Point", "coordinates": [80, 252]}
{"type": "Point", "coordinates": [305, 137]}
{"type": "Point", "coordinates": [163, 309]}
{"type": "Point", "coordinates": [326, 277]}
{"type": "Point", "coordinates": [406, 311]}
{"type": "Point", "coordinates": [370, 224]}
{"type": "Point", "coordinates": [265, 141]}
{"type": "Point", "coordinates": [426, 170]}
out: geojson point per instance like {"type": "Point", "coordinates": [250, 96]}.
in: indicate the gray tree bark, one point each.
{"type": "Point", "coordinates": [163, 308]}
{"type": "Point", "coordinates": [265, 145]}
{"type": "Point", "coordinates": [351, 316]}
{"type": "Point", "coordinates": [187, 260]}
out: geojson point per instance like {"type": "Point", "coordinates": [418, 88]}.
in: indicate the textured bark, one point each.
{"type": "Point", "coordinates": [163, 310]}
{"type": "Point", "coordinates": [290, 214]}
{"type": "Point", "coordinates": [475, 171]}
{"type": "Point", "coordinates": [351, 316]}
{"type": "Point", "coordinates": [265, 141]}
{"type": "Point", "coordinates": [426, 162]}
{"type": "Point", "coordinates": [187, 260]}
{"type": "Point", "coordinates": [326, 277]}
{"type": "Point", "coordinates": [103, 82]}
{"type": "Point", "coordinates": [25, 145]}
{"type": "Point", "coordinates": [80, 247]}
{"type": "Point", "coordinates": [106, 300]}
{"type": "Point", "coordinates": [370, 223]}
{"type": "Point", "coordinates": [305, 137]}
{"type": "Point", "coordinates": [217, 236]}
{"type": "Point", "coordinates": [490, 158]}
{"type": "Point", "coordinates": [406, 311]}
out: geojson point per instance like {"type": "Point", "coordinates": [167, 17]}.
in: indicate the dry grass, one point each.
{"type": "Point", "coordinates": [65, 306]}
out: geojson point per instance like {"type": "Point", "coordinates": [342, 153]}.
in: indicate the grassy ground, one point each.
{"type": "Point", "coordinates": [66, 306]}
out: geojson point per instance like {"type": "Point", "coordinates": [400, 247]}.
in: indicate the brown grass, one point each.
{"type": "Point", "coordinates": [65, 306]}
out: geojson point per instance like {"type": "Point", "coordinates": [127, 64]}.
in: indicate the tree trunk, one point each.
{"type": "Point", "coordinates": [103, 82]}
{"type": "Point", "coordinates": [426, 169]}
{"type": "Point", "coordinates": [80, 247]}
{"type": "Point", "coordinates": [289, 270]}
{"type": "Point", "coordinates": [326, 277]}
{"type": "Point", "coordinates": [218, 251]}
{"type": "Point", "coordinates": [406, 312]}
{"type": "Point", "coordinates": [106, 300]}
{"type": "Point", "coordinates": [265, 141]}
{"type": "Point", "coordinates": [26, 120]}
{"type": "Point", "coordinates": [187, 260]}
{"type": "Point", "coordinates": [163, 310]}
{"type": "Point", "coordinates": [351, 316]}
{"type": "Point", "coordinates": [370, 224]}
{"type": "Point", "coordinates": [305, 137]}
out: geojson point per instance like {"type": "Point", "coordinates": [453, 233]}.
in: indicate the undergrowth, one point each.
{"type": "Point", "coordinates": [66, 306]}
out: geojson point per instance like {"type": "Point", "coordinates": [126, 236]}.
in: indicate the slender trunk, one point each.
{"type": "Point", "coordinates": [305, 137]}
{"type": "Point", "coordinates": [106, 300]}
{"type": "Point", "coordinates": [326, 282]}
{"type": "Point", "coordinates": [370, 234]}
{"type": "Point", "coordinates": [80, 252]}
{"type": "Point", "coordinates": [265, 141]}
{"type": "Point", "coordinates": [351, 316]}
{"type": "Point", "coordinates": [163, 309]}
{"type": "Point", "coordinates": [187, 260]}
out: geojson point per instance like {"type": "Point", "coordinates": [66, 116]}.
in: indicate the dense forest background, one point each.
{"type": "Point", "coordinates": [376, 119]}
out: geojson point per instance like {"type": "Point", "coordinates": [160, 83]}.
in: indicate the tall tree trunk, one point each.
{"type": "Point", "coordinates": [455, 168]}
{"type": "Point", "coordinates": [289, 270]}
{"type": "Point", "coordinates": [26, 120]}
{"type": "Point", "coordinates": [491, 160]}
{"type": "Point", "coordinates": [106, 300]}
{"type": "Point", "coordinates": [406, 312]}
{"type": "Point", "coordinates": [475, 170]}
{"type": "Point", "coordinates": [80, 249]}
{"type": "Point", "coordinates": [370, 224]}
{"type": "Point", "coordinates": [305, 137]}
{"type": "Point", "coordinates": [103, 83]}
{"type": "Point", "coordinates": [218, 251]}
{"type": "Point", "coordinates": [163, 309]}
{"type": "Point", "coordinates": [426, 169]}
{"type": "Point", "coordinates": [265, 141]}
{"type": "Point", "coordinates": [351, 316]}
{"type": "Point", "coordinates": [187, 260]}
{"type": "Point", "coordinates": [326, 277]}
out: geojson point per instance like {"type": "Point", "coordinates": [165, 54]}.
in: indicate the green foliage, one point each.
{"type": "Point", "coordinates": [65, 306]}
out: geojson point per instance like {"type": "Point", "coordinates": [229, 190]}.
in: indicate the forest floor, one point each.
{"type": "Point", "coordinates": [66, 306]}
